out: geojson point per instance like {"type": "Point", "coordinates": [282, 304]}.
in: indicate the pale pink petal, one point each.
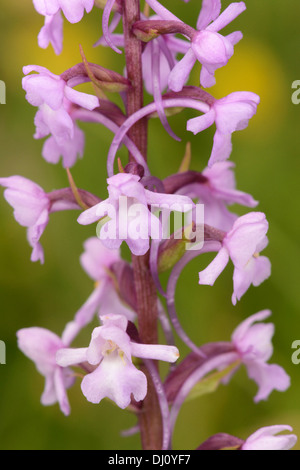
{"type": "Point", "coordinates": [155, 351]}
{"type": "Point", "coordinates": [247, 96]}
{"type": "Point", "coordinates": [265, 439]}
{"type": "Point", "coordinates": [262, 270]}
{"type": "Point", "coordinates": [242, 280]}
{"type": "Point", "coordinates": [180, 73]}
{"type": "Point", "coordinates": [114, 336]}
{"type": "Point", "coordinates": [51, 151]}
{"type": "Point", "coordinates": [182, 203]}
{"type": "Point", "coordinates": [93, 214]}
{"type": "Point", "coordinates": [162, 11]}
{"type": "Point", "coordinates": [70, 356]}
{"type": "Point", "coordinates": [23, 185]}
{"type": "Point", "coordinates": [74, 10]}
{"type": "Point", "coordinates": [243, 239]}
{"type": "Point", "coordinates": [138, 247]}
{"type": "Point", "coordinates": [209, 275]}
{"type": "Point", "coordinates": [48, 396]}
{"type": "Point", "coordinates": [110, 243]}
{"type": "Point", "coordinates": [228, 15]}
{"type": "Point", "coordinates": [34, 234]}
{"type": "Point", "coordinates": [96, 258]}
{"type": "Point", "coordinates": [46, 7]}
{"type": "Point", "coordinates": [63, 380]}
{"type": "Point", "coordinates": [256, 344]}
{"type": "Point", "coordinates": [201, 123]}
{"type": "Point", "coordinates": [255, 272]}
{"type": "Point", "coordinates": [234, 37]}
{"type": "Point", "coordinates": [240, 332]}
{"type": "Point", "coordinates": [27, 209]}
{"type": "Point", "coordinates": [27, 198]}
{"type": "Point", "coordinates": [111, 302]}
{"type": "Point", "coordinates": [69, 149]}
{"type": "Point", "coordinates": [39, 69]}
{"type": "Point", "coordinates": [41, 125]}
{"type": "Point", "coordinates": [268, 377]}
{"type": "Point", "coordinates": [210, 10]}
{"type": "Point", "coordinates": [37, 253]}
{"type": "Point", "coordinates": [234, 117]}
{"type": "Point", "coordinates": [118, 380]}
{"type": "Point", "coordinates": [84, 100]}
{"type": "Point", "coordinates": [52, 33]}
{"type": "Point", "coordinates": [207, 78]}
{"type": "Point", "coordinates": [126, 186]}
{"type": "Point", "coordinates": [59, 123]}
{"type": "Point", "coordinates": [96, 347]}
{"type": "Point", "coordinates": [222, 183]}
{"type": "Point", "coordinates": [117, 320]}
{"type": "Point", "coordinates": [222, 148]}
{"type": "Point", "coordinates": [250, 218]}
{"type": "Point", "coordinates": [40, 345]}
{"type": "Point", "coordinates": [42, 88]}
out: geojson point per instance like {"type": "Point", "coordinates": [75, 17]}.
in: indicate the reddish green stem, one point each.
{"type": "Point", "coordinates": [149, 417]}
{"type": "Point", "coordinates": [133, 54]}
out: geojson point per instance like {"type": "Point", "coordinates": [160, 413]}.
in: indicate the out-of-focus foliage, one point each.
{"type": "Point", "coordinates": [266, 154]}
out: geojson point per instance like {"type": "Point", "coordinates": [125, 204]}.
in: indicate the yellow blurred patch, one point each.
{"type": "Point", "coordinates": [255, 67]}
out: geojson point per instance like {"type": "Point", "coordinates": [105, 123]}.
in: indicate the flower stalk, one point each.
{"type": "Point", "coordinates": [150, 416]}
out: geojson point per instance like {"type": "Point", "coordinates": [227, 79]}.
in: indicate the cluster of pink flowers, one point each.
{"type": "Point", "coordinates": [107, 364]}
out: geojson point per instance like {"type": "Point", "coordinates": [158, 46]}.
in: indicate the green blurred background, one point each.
{"type": "Point", "coordinates": [267, 165]}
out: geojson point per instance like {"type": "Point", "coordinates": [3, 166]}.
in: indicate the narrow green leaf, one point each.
{"type": "Point", "coordinates": [211, 382]}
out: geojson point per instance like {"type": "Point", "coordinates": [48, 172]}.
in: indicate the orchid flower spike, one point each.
{"type": "Point", "coordinates": [110, 351]}
{"type": "Point", "coordinates": [54, 98]}
{"type": "Point", "coordinates": [242, 244]}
